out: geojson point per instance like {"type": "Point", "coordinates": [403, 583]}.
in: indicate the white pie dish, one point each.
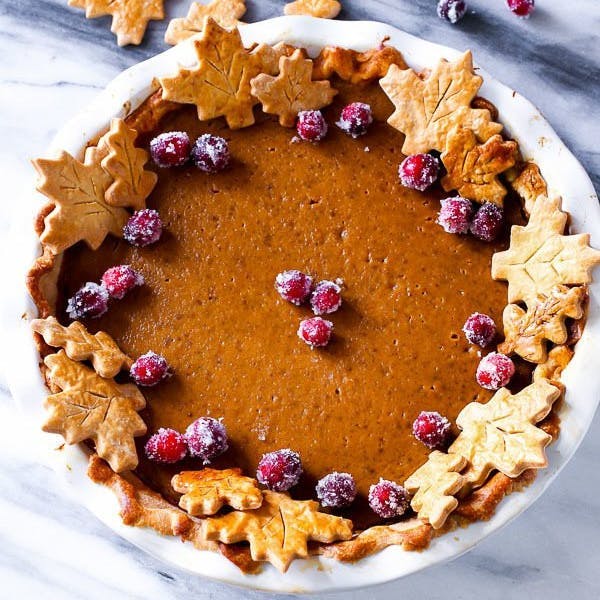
{"type": "Point", "coordinates": [538, 142]}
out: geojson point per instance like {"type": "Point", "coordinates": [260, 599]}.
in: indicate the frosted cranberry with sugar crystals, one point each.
{"type": "Point", "coordinates": [432, 429]}
{"type": "Point", "coordinates": [388, 499]}
{"type": "Point", "coordinates": [210, 153]}
{"type": "Point", "coordinates": [279, 470]}
{"type": "Point", "coordinates": [480, 329]}
{"type": "Point", "coordinates": [451, 10]}
{"type": "Point", "coordinates": [336, 490]}
{"type": "Point", "coordinates": [166, 446]}
{"type": "Point", "coordinates": [316, 332]}
{"type": "Point", "coordinates": [121, 279]}
{"type": "Point", "coordinates": [90, 301]}
{"type": "Point", "coordinates": [355, 119]}
{"type": "Point", "coordinates": [455, 214]}
{"type": "Point", "coordinates": [311, 125]}
{"type": "Point", "coordinates": [419, 171]}
{"type": "Point", "coordinates": [206, 438]}
{"type": "Point", "coordinates": [495, 371]}
{"type": "Point", "coordinates": [170, 149]}
{"type": "Point", "coordinates": [521, 8]}
{"type": "Point", "coordinates": [326, 297]}
{"type": "Point", "coordinates": [488, 222]}
{"type": "Point", "coordinates": [294, 286]}
{"type": "Point", "coordinates": [143, 228]}
{"type": "Point", "coordinates": [149, 369]}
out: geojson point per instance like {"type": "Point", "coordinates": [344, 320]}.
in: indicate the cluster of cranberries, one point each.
{"type": "Point", "coordinates": [454, 10]}
{"type": "Point", "coordinates": [458, 215]}
{"type": "Point", "coordinates": [354, 120]}
{"type": "Point", "coordinates": [325, 298]}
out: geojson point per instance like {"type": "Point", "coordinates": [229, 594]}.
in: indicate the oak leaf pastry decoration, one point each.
{"type": "Point", "coordinates": [529, 184]}
{"type": "Point", "coordinates": [540, 257]}
{"type": "Point", "coordinates": [526, 331]}
{"type": "Point", "coordinates": [205, 492]}
{"type": "Point", "coordinates": [292, 90]}
{"type": "Point", "coordinates": [434, 485]}
{"type": "Point", "coordinates": [279, 530]}
{"type": "Point", "coordinates": [225, 12]}
{"type": "Point", "coordinates": [79, 344]}
{"type": "Point", "coordinates": [556, 362]}
{"type": "Point", "coordinates": [427, 109]}
{"type": "Point", "coordinates": [473, 168]}
{"type": "Point", "coordinates": [502, 435]}
{"type": "Point", "coordinates": [92, 407]}
{"type": "Point", "coordinates": [323, 9]}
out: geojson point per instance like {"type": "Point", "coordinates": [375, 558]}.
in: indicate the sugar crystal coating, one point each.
{"type": "Point", "coordinates": [451, 10]}
{"type": "Point", "coordinates": [495, 371]}
{"type": "Point", "coordinates": [311, 125]}
{"type": "Point", "coordinates": [480, 329]}
{"type": "Point", "coordinates": [326, 298]}
{"type": "Point", "coordinates": [432, 429]}
{"type": "Point", "coordinates": [149, 369]}
{"type": "Point", "coordinates": [455, 215]}
{"type": "Point", "coordinates": [316, 332]}
{"type": "Point", "coordinates": [279, 470]}
{"type": "Point", "coordinates": [166, 446]}
{"type": "Point", "coordinates": [388, 499]}
{"type": "Point", "coordinates": [294, 286]}
{"type": "Point", "coordinates": [206, 438]}
{"type": "Point", "coordinates": [355, 119]}
{"type": "Point", "coordinates": [143, 228]}
{"type": "Point", "coordinates": [419, 171]}
{"type": "Point", "coordinates": [90, 301]}
{"type": "Point", "coordinates": [336, 490]}
{"type": "Point", "coordinates": [170, 149]}
{"type": "Point", "coordinates": [521, 8]}
{"type": "Point", "coordinates": [210, 153]}
{"type": "Point", "coordinates": [121, 279]}
{"type": "Point", "coordinates": [488, 222]}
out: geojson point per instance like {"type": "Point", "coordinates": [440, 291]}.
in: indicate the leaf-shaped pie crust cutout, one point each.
{"type": "Point", "coordinates": [292, 90]}
{"type": "Point", "coordinates": [225, 12]}
{"type": "Point", "coordinates": [502, 435]}
{"type": "Point", "coordinates": [526, 331]}
{"type": "Point", "coordinates": [428, 109]}
{"type": "Point", "coordinates": [205, 492]}
{"type": "Point", "coordinates": [80, 208]}
{"type": "Point", "coordinates": [94, 408]}
{"type": "Point", "coordinates": [473, 169]}
{"type": "Point", "coordinates": [323, 9]}
{"type": "Point", "coordinates": [220, 84]}
{"type": "Point", "coordinates": [434, 485]}
{"type": "Point", "coordinates": [540, 257]}
{"type": "Point", "coordinates": [279, 530]}
{"type": "Point", "coordinates": [556, 362]}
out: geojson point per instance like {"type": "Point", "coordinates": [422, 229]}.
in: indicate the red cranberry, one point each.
{"type": "Point", "coordinates": [149, 369]}
{"type": "Point", "coordinates": [210, 153]}
{"type": "Point", "coordinates": [121, 279]}
{"type": "Point", "coordinates": [143, 228]}
{"type": "Point", "coordinates": [355, 119]}
{"type": "Point", "coordinates": [170, 149]}
{"type": "Point", "coordinates": [166, 446]}
{"type": "Point", "coordinates": [480, 329]}
{"type": "Point", "coordinates": [388, 499]}
{"type": "Point", "coordinates": [294, 286]}
{"type": "Point", "coordinates": [326, 298]}
{"type": "Point", "coordinates": [311, 125]}
{"type": "Point", "coordinates": [451, 10]}
{"type": "Point", "coordinates": [336, 490]}
{"type": "Point", "coordinates": [488, 222]}
{"type": "Point", "coordinates": [432, 429]}
{"type": "Point", "coordinates": [316, 332]}
{"type": "Point", "coordinates": [521, 8]}
{"type": "Point", "coordinates": [279, 470]}
{"type": "Point", "coordinates": [90, 301]}
{"type": "Point", "coordinates": [419, 171]}
{"type": "Point", "coordinates": [455, 215]}
{"type": "Point", "coordinates": [495, 371]}
{"type": "Point", "coordinates": [206, 438]}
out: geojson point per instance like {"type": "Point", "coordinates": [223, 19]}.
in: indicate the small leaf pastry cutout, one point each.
{"type": "Point", "coordinates": [323, 9]}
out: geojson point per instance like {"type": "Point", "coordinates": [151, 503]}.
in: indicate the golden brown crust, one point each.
{"type": "Point", "coordinates": [146, 117]}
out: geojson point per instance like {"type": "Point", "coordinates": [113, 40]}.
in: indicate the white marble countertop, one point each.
{"type": "Point", "coordinates": [53, 63]}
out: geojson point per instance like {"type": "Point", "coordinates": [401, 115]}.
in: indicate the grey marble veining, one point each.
{"type": "Point", "coordinates": [53, 63]}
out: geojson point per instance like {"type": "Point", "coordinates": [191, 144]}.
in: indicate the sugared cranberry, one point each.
{"type": "Point", "coordinates": [121, 279]}
{"type": "Point", "coordinates": [455, 214]}
{"type": "Point", "coordinates": [488, 222]}
{"type": "Point", "coordinates": [388, 499]}
{"type": "Point", "coordinates": [451, 10]}
{"type": "Point", "coordinates": [149, 369]}
{"type": "Point", "coordinates": [419, 171]}
{"type": "Point", "coordinates": [311, 125]}
{"type": "Point", "coordinates": [336, 490]}
{"type": "Point", "coordinates": [495, 371]}
{"type": "Point", "coordinates": [355, 119]}
{"type": "Point", "coordinates": [432, 429]}
{"type": "Point", "coordinates": [316, 332]}
{"type": "Point", "coordinates": [210, 153]}
{"type": "Point", "coordinates": [279, 470]}
{"type": "Point", "coordinates": [521, 8]}
{"type": "Point", "coordinates": [206, 438]}
{"type": "Point", "coordinates": [90, 301]}
{"type": "Point", "coordinates": [170, 149]}
{"type": "Point", "coordinates": [480, 329]}
{"type": "Point", "coordinates": [166, 446]}
{"type": "Point", "coordinates": [326, 297]}
{"type": "Point", "coordinates": [143, 228]}
{"type": "Point", "coordinates": [294, 286]}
